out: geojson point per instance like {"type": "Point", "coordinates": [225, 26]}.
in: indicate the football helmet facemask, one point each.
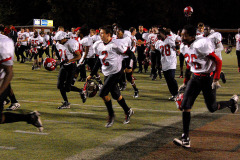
{"type": "Point", "coordinates": [188, 11]}
{"type": "Point", "coordinates": [91, 88]}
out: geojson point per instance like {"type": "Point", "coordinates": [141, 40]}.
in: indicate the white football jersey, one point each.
{"type": "Point", "coordinates": [6, 53]}
{"type": "Point", "coordinates": [44, 40]}
{"type": "Point", "coordinates": [35, 42]}
{"type": "Point", "coordinates": [72, 35]}
{"type": "Point", "coordinates": [23, 36]}
{"type": "Point", "coordinates": [67, 50]}
{"type": "Point", "coordinates": [167, 50]}
{"type": "Point", "coordinates": [237, 37]}
{"type": "Point", "coordinates": [110, 56]}
{"type": "Point", "coordinates": [196, 56]}
{"type": "Point", "coordinates": [152, 39]}
{"type": "Point", "coordinates": [199, 34]}
{"type": "Point", "coordinates": [216, 38]}
{"type": "Point", "coordinates": [87, 41]}
{"type": "Point", "coordinates": [133, 43]}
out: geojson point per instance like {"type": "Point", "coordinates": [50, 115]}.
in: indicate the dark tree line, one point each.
{"type": "Point", "coordinates": [95, 13]}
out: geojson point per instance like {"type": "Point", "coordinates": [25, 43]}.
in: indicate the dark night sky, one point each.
{"type": "Point", "coordinates": [73, 13]}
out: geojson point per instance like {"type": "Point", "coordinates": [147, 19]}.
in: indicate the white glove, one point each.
{"type": "Point", "coordinates": [182, 87]}
{"type": "Point", "coordinates": [216, 85]}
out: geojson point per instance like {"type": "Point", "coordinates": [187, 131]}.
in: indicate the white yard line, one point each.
{"type": "Point", "coordinates": [7, 148]}
{"type": "Point", "coordinates": [26, 132]}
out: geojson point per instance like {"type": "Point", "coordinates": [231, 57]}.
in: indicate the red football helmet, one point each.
{"type": "Point", "coordinates": [179, 100]}
{"type": "Point", "coordinates": [188, 11]}
{"type": "Point", "coordinates": [49, 64]}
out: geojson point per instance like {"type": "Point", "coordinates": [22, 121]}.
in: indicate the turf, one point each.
{"type": "Point", "coordinates": [71, 131]}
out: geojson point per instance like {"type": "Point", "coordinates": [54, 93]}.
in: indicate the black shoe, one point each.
{"type": "Point", "coordinates": [136, 94]}
{"type": "Point", "coordinates": [110, 121]}
{"type": "Point", "coordinates": [183, 141]}
{"type": "Point", "coordinates": [35, 120]}
{"type": "Point", "coordinates": [234, 107]}
{"type": "Point", "coordinates": [6, 101]}
{"type": "Point", "coordinates": [173, 98]}
{"type": "Point", "coordinates": [83, 96]}
{"type": "Point", "coordinates": [154, 77]}
{"type": "Point", "coordinates": [33, 67]}
{"type": "Point", "coordinates": [140, 71]}
{"type": "Point", "coordinates": [222, 76]}
{"type": "Point", "coordinates": [128, 115]}
{"type": "Point", "coordinates": [65, 105]}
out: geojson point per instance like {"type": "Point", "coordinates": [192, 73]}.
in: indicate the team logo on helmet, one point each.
{"type": "Point", "coordinates": [188, 11]}
{"type": "Point", "coordinates": [49, 64]}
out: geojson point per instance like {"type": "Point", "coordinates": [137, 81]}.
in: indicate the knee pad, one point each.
{"type": "Point", "coordinates": [129, 77]}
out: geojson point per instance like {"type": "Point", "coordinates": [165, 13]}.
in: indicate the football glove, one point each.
{"type": "Point", "coordinates": [216, 85]}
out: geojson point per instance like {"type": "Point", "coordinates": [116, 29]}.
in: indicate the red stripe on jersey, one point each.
{"type": "Point", "coordinates": [218, 62]}
{"type": "Point", "coordinates": [5, 60]}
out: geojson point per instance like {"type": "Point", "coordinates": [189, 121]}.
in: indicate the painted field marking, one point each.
{"type": "Point", "coordinates": [81, 113]}
{"type": "Point", "coordinates": [54, 121]}
{"type": "Point", "coordinates": [7, 148]}
{"type": "Point", "coordinates": [150, 110]}
{"type": "Point", "coordinates": [26, 132]}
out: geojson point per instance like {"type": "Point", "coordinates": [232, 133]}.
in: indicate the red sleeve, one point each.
{"type": "Point", "coordinates": [218, 62]}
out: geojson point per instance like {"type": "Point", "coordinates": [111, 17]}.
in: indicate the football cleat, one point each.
{"type": "Point", "coordinates": [83, 96]}
{"type": "Point", "coordinates": [110, 121]}
{"type": "Point", "coordinates": [154, 78]}
{"type": "Point", "coordinates": [13, 107]}
{"type": "Point", "coordinates": [35, 120]}
{"type": "Point", "coordinates": [172, 98]}
{"type": "Point", "coordinates": [136, 94]}
{"type": "Point", "coordinates": [183, 141]}
{"type": "Point", "coordinates": [6, 101]}
{"type": "Point", "coordinates": [65, 105]}
{"type": "Point", "coordinates": [234, 107]}
{"type": "Point", "coordinates": [128, 115]}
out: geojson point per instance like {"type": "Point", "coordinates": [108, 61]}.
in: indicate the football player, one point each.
{"type": "Point", "coordinates": [88, 57]}
{"type": "Point", "coordinates": [216, 39]}
{"type": "Point", "coordinates": [201, 60]}
{"type": "Point", "coordinates": [110, 58]}
{"type": "Point", "coordinates": [167, 48]}
{"type": "Point", "coordinates": [155, 54]}
{"type": "Point", "coordinates": [200, 30]}
{"type": "Point", "coordinates": [35, 44]}
{"type": "Point", "coordinates": [69, 52]}
{"type": "Point", "coordinates": [22, 39]}
{"type": "Point", "coordinates": [44, 47]}
{"type": "Point", "coordinates": [237, 37]}
{"type": "Point", "coordinates": [6, 75]}
{"type": "Point", "coordinates": [127, 60]}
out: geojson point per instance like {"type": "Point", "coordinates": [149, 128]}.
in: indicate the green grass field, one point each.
{"type": "Point", "coordinates": [68, 132]}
